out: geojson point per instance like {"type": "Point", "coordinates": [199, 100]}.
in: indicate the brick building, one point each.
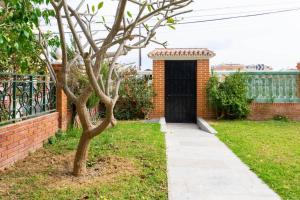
{"type": "Point", "coordinates": [180, 77]}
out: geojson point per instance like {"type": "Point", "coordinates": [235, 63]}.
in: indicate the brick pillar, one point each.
{"type": "Point", "coordinates": [61, 101]}
{"type": "Point", "coordinates": [159, 89]}
{"type": "Point", "coordinates": [203, 75]}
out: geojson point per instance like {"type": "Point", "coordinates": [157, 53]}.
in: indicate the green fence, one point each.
{"type": "Point", "coordinates": [25, 96]}
{"type": "Point", "coordinates": [273, 87]}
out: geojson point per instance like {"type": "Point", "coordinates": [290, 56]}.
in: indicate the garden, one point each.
{"type": "Point", "coordinates": [270, 148]}
{"type": "Point", "coordinates": [108, 150]}
{"type": "Point", "coordinates": [81, 73]}
{"type": "Point", "coordinates": [125, 162]}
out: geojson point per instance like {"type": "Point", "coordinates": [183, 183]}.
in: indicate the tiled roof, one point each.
{"type": "Point", "coordinates": [181, 52]}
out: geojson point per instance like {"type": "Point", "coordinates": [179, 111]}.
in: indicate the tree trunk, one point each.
{"type": "Point", "coordinates": [73, 116]}
{"type": "Point", "coordinates": [79, 168]}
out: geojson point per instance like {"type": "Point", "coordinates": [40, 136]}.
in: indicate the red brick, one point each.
{"type": "Point", "coordinates": [159, 89]}
{"type": "Point", "coordinates": [266, 111]}
{"type": "Point", "coordinates": [203, 75]}
{"type": "Point", "coordinates": [7, 162]}
{"type": "Point", "coordinates": [17, 140]}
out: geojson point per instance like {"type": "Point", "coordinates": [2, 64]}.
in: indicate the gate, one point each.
{"type": "Point", "coordinates": [180, 90]}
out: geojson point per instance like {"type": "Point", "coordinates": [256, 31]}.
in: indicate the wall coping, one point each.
{"type": "Point", "coordinates": [276, 103]}
{"type": "Point", "coordinates": [181, 54]}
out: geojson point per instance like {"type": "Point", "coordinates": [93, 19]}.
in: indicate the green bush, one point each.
{"type": "Point", "coordinates": [229, 98]}
{"type": "Point", "coordinates": [135, 98]}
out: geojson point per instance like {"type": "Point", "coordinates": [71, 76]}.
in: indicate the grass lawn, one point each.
{"type": "Point", "coordinates": [126, 162]}
{"type": "Point", "coordinates": [271, 149]}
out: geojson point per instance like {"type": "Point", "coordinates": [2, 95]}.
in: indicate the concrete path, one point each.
{"type": "Point", "coordinates": [201, 167]}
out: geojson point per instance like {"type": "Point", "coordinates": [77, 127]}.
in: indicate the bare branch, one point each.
{"type": "Point", "coordinates": [64, 84]}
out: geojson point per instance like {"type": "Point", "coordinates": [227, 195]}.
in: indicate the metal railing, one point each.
{"type": "Point", "coordinates": [25, 96]}
{"type": "Point", "coordinates": [272, 87]}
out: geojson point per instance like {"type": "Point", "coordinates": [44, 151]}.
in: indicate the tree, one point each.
{"type": "Point", "coordinates": [92, 52]}
{"type": "Point", "coordinates": [20, 50]}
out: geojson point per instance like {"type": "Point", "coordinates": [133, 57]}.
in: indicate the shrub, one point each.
{"type": "Point", "coordinates": [135, 98]}
{"type": "Point", "coordinates": [135, 95]}
{"type": "Point", "coordinates": [229, 98]}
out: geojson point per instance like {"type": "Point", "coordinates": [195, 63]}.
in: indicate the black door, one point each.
{"type": "Point", "coordinates": [180, 86]}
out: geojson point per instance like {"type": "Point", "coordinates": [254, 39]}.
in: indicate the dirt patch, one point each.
{"type": "Point", "coordinates": [54, 171]}
{"type": "Point", "coordinates": [105, 169]}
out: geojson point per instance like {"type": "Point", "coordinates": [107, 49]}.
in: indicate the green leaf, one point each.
{"type": "Point", "coordinates": [149, 8]}
{"type": "Point", "coordinates": [129, 14]}
{"type": "Point", "coordinates": [1, 40]}
{"type": "Point", "coordinates": [170, 20]}
{"type": "Point", "coordinates": [16, 45]}
{"type": "Point", "coordinates": [100, 5]}
{"type": "Point", "coordinates": [23, 66]}
{"type": "Point", "coordinates": [38, 12]}
{"type": "Point", "coordinates": [172, 27]}
{"type": "Point", "coordinates": [93, 8]}
{"type": "Point", "coordinates": [103, 18]}
{"type": "Point", "coordinates": [7, 38]}
{"type": "Point", "coordinates": [26, 34]}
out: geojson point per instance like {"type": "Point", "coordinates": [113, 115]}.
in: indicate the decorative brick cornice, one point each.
{"type": "Point", "coordinates": [181, 54]}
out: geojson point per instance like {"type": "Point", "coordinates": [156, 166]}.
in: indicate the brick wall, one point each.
{"type": "Point", "coordinates": [19, 139]}
{"type": "Point", "coordinates": [265, 111]}
{"type": "Point", "coordinates": [203, 75]}
{"type": "Point", "coordinates": [159, 89]}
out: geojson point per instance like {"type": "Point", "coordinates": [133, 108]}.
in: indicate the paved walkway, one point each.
{"type": "Point", "coordinates": [202, 167]}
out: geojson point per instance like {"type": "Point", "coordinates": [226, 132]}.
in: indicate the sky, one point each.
{"type": "Point", "coordinates": [270, 39]}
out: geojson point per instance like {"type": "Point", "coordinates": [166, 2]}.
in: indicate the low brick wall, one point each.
{"type": "Point", "coordinates": [17, 140]}
{"type": "Point", "coordinates": [265, 111]}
